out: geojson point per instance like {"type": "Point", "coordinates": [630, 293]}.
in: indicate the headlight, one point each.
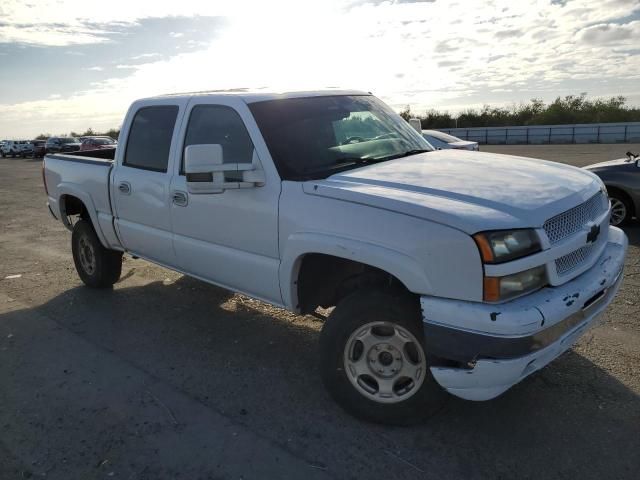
{"type": "Point", "coordinates": [504, 245]}
{"type": "Point", "coordinates": [502, 288]}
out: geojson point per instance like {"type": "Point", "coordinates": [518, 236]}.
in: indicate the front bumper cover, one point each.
{"type": "Point", "coordinates": [506, 342]}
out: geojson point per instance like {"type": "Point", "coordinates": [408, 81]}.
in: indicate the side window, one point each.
{"type": "Point", "coordinates": [150, 138]}
{"type": "Point", "coordinates": [218, 124]}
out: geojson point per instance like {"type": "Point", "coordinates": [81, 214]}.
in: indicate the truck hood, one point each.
{"type": "Point", "coordinates": [470, 191]}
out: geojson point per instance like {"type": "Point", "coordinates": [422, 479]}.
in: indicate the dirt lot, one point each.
{"type": "Point", "coordinates": [168, 377]}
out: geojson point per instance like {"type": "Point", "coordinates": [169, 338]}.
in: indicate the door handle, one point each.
{"type": "Point", "coordinates": [180, 198]}
{"type": "Point", "coordinates": [125, 188]}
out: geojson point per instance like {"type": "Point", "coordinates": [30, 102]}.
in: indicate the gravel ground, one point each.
{"type": "Point", "coordinates": [169, 377]}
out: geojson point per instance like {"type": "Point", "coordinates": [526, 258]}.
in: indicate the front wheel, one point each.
{"type": "Point", "coordinates": [620, 209]}
{"type": "Point", "coordinates": [373, 361]}
{"type": "Point", "coordinates": [98, 267]}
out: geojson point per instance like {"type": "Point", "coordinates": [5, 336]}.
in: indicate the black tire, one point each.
{"type": "Point", "coordinates": [98, 267]}
{"type": "Point", "coordinates": [354, 312]}
{"type": "Point", "coordinates": [617, 196]}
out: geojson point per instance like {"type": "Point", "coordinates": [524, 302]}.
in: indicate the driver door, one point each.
{"type": "Point", "coordinates": [228, 238]}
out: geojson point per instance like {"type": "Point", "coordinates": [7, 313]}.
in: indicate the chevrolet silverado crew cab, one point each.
{"type": "Point", "coordinates": [449, 270]}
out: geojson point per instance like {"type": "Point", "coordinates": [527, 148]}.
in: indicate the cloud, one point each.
{"type": "Point", "coordinates": [72, 68]}
{"type": "Point", "coordinates": [425, 54]}
{"type": "Point", "coordinates": [612, 33]}
{"type": "Point", "coordinates": [503, 34]}
{"type": "Point", "coordinates": [146, 55]}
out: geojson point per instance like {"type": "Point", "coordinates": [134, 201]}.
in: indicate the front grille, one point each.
{"type": "Point", "coordinates": [570, 261]}
{"type": "Point", "coordinates": [567, 223]}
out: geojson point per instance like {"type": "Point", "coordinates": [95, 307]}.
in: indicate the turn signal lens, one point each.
{"type": "Point", "coordinates": [491, 289]}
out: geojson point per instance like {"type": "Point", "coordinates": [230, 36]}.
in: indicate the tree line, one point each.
{"type": "Point", "coordinates": [89, 132]}
{"type": "Point", "coordinates": [563, 110]}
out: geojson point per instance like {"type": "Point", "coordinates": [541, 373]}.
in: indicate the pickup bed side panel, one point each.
{"type": "Point", "coordinates": [88, 180]}
{"type": "Point", "coordinates": [428, 258]}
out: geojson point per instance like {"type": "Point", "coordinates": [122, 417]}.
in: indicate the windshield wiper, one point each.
{"type": "Point", "coordinates": [408, 153]}
{"type": "Point", "coordinates": [345, 160]}
{"type": "Point", "coordinates": [360, 160]}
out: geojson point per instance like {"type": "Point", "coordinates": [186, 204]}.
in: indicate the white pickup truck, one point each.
{"type": "Point", "coordinates": [448, 270]}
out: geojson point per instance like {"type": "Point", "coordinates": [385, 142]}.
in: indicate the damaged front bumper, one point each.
{"type": "Point", "coordinates": [503, 343]}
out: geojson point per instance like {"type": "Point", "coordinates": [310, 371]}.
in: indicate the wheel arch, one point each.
{"type": "Point", "coordinates": [614, 188]}
{"type": "Point", "coordinates": [73, 201]}
{"type": "Point", "coordinates": [338, 259]}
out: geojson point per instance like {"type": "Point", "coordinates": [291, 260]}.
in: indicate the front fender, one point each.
{"type": "Point", "coordinates": [400, 265]}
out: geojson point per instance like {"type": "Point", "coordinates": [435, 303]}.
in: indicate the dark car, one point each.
{"type": "Point", "coordinates": [62, 144]}
{"type": "Point", "coordinates": [39, 148]}
{"type": "Point", "coordinates": [622, 179]}
{"type": "Point", "coordinates": [97, 143]}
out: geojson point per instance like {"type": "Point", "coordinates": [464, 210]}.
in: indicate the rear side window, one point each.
{"type": "Point", "coordinates": [150, 138]}
{"type": "Point", "coordinates": [218, 124]}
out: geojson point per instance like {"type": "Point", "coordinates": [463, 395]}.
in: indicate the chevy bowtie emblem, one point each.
{"type": "Point", "coordinates": [592, 236]}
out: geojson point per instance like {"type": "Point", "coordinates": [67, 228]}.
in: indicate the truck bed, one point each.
{"type": "Point", "coordinates": [84, 176]}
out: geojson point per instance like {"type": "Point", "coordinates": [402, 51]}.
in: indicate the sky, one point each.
{"type": "Point", "coordinates": [73, 64]}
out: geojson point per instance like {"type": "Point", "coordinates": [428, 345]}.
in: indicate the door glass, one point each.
{"type": "Point", "coordinates": [221, 125]}
{"type": "Point", "coordinates": [150, 138]}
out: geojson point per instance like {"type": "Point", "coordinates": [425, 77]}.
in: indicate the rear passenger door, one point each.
{"type": "Point", "coordinates": [141, 181]}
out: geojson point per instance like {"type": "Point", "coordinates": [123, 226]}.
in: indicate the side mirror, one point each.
{"type": "Point", "coordinates": [205, 170]}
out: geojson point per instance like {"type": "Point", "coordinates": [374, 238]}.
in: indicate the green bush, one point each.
{"type": "Point", "coordinates": [563, 110]}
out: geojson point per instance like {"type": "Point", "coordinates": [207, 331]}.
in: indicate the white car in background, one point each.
{"type": "Point", "coordinates": [16, 148]}
{"type": "Point", "coordinates": [441, 141]}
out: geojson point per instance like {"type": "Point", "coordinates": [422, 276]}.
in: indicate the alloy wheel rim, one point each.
{"type": "Point", "coordinates": [618, 211]}
{"type": "Point", "coordinates": [87, 255]}
{"type": "Point", "coordinates": [384, 362]}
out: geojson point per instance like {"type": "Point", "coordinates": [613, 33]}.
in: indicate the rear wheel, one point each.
{"type": "Point", "coordinates": [373, 361]}
{"type": "Point", "coordinates": [98, 267]}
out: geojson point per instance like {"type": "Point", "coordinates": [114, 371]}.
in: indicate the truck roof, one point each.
{"type": "Point", "coordinates": [260, 95]}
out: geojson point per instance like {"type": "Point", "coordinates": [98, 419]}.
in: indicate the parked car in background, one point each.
{"type": "Point", "coordinates": [622, 179]}
{"type": "Point", "coordinates": [62, 145]}
{"type": "Point", "coordinates": [97, 143]}
{"type": "Point", "coordinates": [443, 140]}
{"type": "Point", "coordinates": [16, 148]}
{"type": "Point", "coordinates": [38, 148]}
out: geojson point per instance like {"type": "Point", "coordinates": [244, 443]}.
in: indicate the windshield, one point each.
{"type": "Point", "coordinates": [441, 136]}
{"type": "Point", "coordinates": [312, 138]}
{"type": "Point", "coordinates": [68, 140]}
{"type": "Point", "coordinates": [103, 141]}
